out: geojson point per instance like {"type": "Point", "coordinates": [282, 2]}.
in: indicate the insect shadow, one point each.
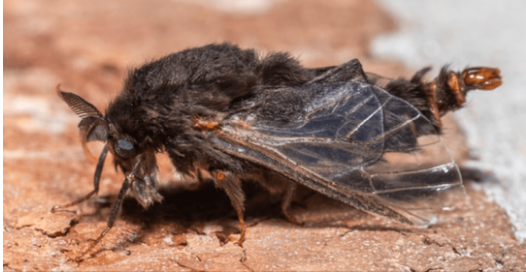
{"type": "Point", "coordinates": [190, 211]}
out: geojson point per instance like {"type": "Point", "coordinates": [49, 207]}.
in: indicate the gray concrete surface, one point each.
{"type": "Point", "coordinates": [473, 33]}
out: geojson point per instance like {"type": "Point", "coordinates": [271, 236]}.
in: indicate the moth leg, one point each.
{"type": "Point", "coordinates": [232, 186]}
{"type": "Point", "coordinates": [96, 180]}
{"type": "Point", "coordinates": [277, 185]}
{"type": "Point", "coordinates": [285, 203]}
{"type": "Point", "coordinates": [113, 215]}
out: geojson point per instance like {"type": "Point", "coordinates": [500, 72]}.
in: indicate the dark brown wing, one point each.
{"type": "Point", "coordinates": [353, 142]}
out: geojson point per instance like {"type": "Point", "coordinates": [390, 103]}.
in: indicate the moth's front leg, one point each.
{"type": "Point", "coordinates": [96, 180]}
{"type": "Point", "coordinates": [232, 186]}
{"type": "Point", "coordinates": [145, 185]}
{"type": "Point", "coordinates": [113, 215]}
{"type": "Point", "coordinates": [142, 180]}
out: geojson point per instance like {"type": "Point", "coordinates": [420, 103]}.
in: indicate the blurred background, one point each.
{"type": "Point", "coordinates": [88, 47]}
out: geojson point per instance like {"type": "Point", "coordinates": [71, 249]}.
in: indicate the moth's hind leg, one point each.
{"type": "Point", "coordinates": [278, 185]}
{"type": "Point", "coordinates": [285, 203]}
{"type": "Point", "coordinates": [232, 186]}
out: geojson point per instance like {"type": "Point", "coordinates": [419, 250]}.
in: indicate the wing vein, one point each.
{"type": "Point", "coordinates": [367, 119]}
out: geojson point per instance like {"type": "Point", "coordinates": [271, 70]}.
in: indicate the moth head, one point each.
{"type": "Point", "coordinates": [95, 127]}
{"type": "Point", "coordinates": [122, 146]}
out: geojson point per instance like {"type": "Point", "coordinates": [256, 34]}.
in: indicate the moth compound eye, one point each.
{"type": "Point", "coordinates": [124, 148]}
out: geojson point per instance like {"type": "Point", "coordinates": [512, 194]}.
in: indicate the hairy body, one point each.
{"type": "Point", "coordinates": [207, 106]}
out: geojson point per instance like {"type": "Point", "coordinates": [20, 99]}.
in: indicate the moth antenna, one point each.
{"type": "Point", "coordinates": [87, 112]}
{"type": "Point", "coordinates": [80, 106]}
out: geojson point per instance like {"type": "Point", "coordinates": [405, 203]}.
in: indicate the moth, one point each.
{"type": "Point", "coordinates": [228, 115]}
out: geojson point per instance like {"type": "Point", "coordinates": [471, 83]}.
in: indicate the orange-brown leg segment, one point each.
{"type": "Point", "coordinates": [232, 186]}
{"type": "Point", "coordinates": [285, 203]}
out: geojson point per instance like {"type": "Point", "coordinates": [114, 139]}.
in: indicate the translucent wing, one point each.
{"type": "Point", "coordinates": [351, 141]}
